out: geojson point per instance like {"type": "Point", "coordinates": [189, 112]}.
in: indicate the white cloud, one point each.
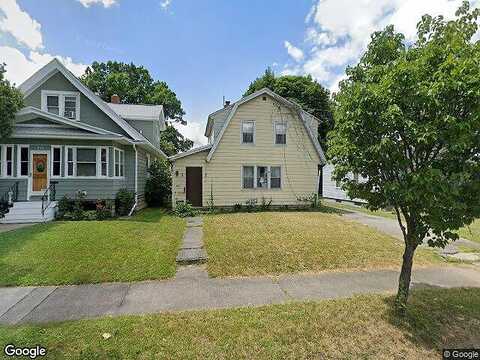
{"type": "Point", "coordinates": [165, 4]}
{"type": "Point", "coordinates": [20, 67]}
{"type": "Point", "coordinates": [193, 131]}
{"type": "Point", "coordinates": [338, 37]}
{"type": "Point", "coordinates": [293, 51]}
{"type": "Point", "coordinates": [20, 25]}
{"type": "Point", "coordinates": [105, 3]}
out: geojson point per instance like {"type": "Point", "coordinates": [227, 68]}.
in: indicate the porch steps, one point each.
{"type": "Point", "coordinates": [28, 212]}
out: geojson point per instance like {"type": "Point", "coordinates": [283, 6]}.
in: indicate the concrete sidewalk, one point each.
{"type": "Point", "coordinates": [192, 289]}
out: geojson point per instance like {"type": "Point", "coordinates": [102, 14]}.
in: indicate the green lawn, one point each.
{"type": "Point", "coordinates": [75, 252]}
{"type": "Point", "coordinates": [283, 242]}
{"type": "Point", "coordinates": [363, 327]}
{"type": "Point", "coordinates": [471, 232]}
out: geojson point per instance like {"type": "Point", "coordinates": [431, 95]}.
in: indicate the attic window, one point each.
{"type": "Point", "coordinates": [65, 104]}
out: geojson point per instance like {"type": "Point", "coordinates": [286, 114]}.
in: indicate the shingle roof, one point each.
{"type": "Point", "coordinates": [137, 112]}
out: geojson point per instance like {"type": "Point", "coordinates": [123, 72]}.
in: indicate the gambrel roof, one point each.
{"type": "Point", "coordinates": [302, 114]}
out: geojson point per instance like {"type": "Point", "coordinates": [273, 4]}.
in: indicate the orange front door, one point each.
{"type": "Point", "coordinates": [39, 172]}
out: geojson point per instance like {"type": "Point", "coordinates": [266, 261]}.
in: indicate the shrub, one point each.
{"type": "Point", "coordinates": [103, 209]}
{"type": "Point", "coordinates": [184, 209]}
{"type": "Point", "coordinates": [237, 207]}
{"type": "Point", "coordinates": [65, 206]}
{"type": "Point", "coordinates": [265, 204]}
{"type": "Point", "coordinates": [124, 201]}
{"type": "Point", "coordinates": [311, 199]}
{"type": "Point", "coordinates": [159, 185]}
{"type": "Point", "coordinates": [251, 205]}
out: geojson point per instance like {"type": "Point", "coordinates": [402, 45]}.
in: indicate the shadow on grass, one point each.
{"type": "Point", "coordinates": [14, 241]}
{"type": "Point", "coordinates": [149, 215]}
{"type": "Point", "coordinates": [440, 318]}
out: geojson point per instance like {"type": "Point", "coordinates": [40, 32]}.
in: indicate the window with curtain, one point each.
{"type": "Point", "coordinates": [248, 177]}
{"type": "Point", "coordinates": [280, 133]}
{"type": "Point", "coordinates": [262, 177]}
{"type": "Point", "coordinates": [248, 132]}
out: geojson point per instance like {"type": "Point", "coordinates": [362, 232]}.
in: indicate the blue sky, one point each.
{"type": "Point", "coordinates": [203, 49]}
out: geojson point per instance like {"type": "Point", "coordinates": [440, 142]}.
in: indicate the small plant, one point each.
{"type": "Point", "coordinates": [185, 209]}
{"type": "Point", "coordinates": [65, 206]}
{"type": "Point", "coordinates": [251, 205]}
{"type": "Point", "coordinates": [103, 209]}
{"type": "Point", "coordinates": [210, 201]}
{"type": "Point", "coordinates": [311, 199]}
{"type": "Point", "coordinates": [237, 207]}
{"type": "Point", "coordinates": [124, 201]}
{"type": "Point", "coordinates": [265, 204]}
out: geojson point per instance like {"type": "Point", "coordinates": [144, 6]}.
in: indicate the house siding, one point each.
{"type": "Point", "coordinates": [298, 159]}
{"type": "Point", "coordinates": [96, 188]}
{"type": "Point", "coordinates": [330, 189]}
{"type": "Point", "coordinates": [89, 112]}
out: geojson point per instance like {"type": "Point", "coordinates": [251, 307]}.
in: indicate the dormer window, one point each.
{"type": "Point", "coordinates": [62, 103]}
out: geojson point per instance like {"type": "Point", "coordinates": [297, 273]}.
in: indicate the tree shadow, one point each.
{"type": "Point", "coordinates": [149, 215]}
{"type": "Point", "coordinates": [439, 318]}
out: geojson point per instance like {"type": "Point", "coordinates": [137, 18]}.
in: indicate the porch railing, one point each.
{"type": "Point", "coordinates": [48, 196]}
{"type": "Point", "coordinates": [8, 198]}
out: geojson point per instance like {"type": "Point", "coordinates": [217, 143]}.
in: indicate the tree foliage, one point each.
{"type": "Point", "coordinates": [305, 91]}
{"type": "Point", "coordinates": [11, 101]}
{"type": "Point", "coordinates": [159, 184]}
{"type": "Point", "coordinates": [172, 142]}
{"type": "Point", "coordinates": [408, 120]}
{"type": "Point", "coordinates": [134, 85]}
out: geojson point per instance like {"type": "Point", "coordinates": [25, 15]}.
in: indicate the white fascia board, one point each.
{"type": "Point", "coordinates": [190, 152]}
{"type": "Point", "coordinates": [30, 110]}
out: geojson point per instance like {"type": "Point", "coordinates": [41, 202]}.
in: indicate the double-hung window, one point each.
{"type": "Point", "coordinates": [8, 160]}
{"type": "Point", "coordinates": [66, 104]}
{"type": "Point", "coordinates": [23, 160]}
{"type": "Point", "coordinates": [119, 160]}
{"type": "Point", "coordinates": [280, 133]}
{"type": "Point", "coordinates": [82, 161]}
{"type": "Point", "coordinates": [86, 162]}
{"type": "Point", "coordinates": [261, 177]}
{"type": "Point", "coordinates": [248, 132]}
{"type": "Point", "coordinates": [56, 160]}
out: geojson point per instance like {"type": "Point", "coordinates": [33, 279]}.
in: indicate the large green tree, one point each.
{"type": "Point", "coordinates": [11, 101]}
{"type": "Point", "coordinates": [134, 85]}
{"type": "Point", "coordinates": [305, 91]}
{"type": "Point", "coordinates": [408, 120]}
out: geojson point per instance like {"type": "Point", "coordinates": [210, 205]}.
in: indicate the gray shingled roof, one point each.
{"type": "Point", "coordinates": [137, 112]}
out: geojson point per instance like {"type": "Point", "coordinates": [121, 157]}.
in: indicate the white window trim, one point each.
{"type": "Point", "coordinates": [269, 178]}
{"type": "Point", "coordinates": [99, 161]}
{"type": "Point", "coordinates": [4, 160]}
{"type": "Point", "coordinates": [98, 169]}
{"type": "Point", "coordinates": [19, 161]}
{"type": "Point", "coordinates": [275, 132]}
{"type": "Point", "coordinates": [149, 163]}
{"type": "Point", "coordinates": [51, 161]}
{"type": "Point", "coordinates": [254, 132]}
{"type": "Point", "coordinates": [115, 150]}
{"type": "Point", "coordinates": [61, 101]}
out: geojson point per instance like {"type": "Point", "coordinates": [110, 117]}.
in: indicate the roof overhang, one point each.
{"type": "Point", "coordinates": [190, 152]}
{"type": "Point", "coordinates": [38, 78]}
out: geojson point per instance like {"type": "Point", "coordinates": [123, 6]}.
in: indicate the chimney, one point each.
{"type": "Point", "coordinates": [115, 99]}
{"type": "Point", "coordinates": [227, 103]}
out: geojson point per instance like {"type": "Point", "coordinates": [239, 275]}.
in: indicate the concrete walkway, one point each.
{"type": "Point", "coordinates": [391, 227]}
{"type": "Point", "coordinates": [192, 250]}
{"type": "Point", "coordinates": [11, 227]}
{"type": "Point", "coordinates": [192, 289]}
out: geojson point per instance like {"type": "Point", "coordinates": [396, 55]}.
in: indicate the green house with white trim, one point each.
{"type": "Point", "coordinates": [67, 139]}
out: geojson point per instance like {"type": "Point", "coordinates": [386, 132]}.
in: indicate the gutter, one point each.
{"type": "Point", "coordinates": [136, 182]}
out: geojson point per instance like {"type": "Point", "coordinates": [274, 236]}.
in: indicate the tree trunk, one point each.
{"type": "Point", "coordinates": [405, 276]}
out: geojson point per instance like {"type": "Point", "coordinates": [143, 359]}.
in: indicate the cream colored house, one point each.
{"type": "Point", "coordinates": [261, 147]}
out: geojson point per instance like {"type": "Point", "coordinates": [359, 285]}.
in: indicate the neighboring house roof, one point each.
{"type": "Point", "coordinates": [191, 152]}
{"type": "Point", "coordinates": [302, 114]}
{"type": "Point", "coordinates": [34, 81]}
{"type": "Point", "coordinates": [137, 112]}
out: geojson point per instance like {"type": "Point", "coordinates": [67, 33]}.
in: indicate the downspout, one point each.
{"type": "Point", "coordinates": [136, 181]}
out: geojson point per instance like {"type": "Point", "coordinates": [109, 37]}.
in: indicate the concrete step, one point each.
{"type": "Point", "coordinates": [30, 204]}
